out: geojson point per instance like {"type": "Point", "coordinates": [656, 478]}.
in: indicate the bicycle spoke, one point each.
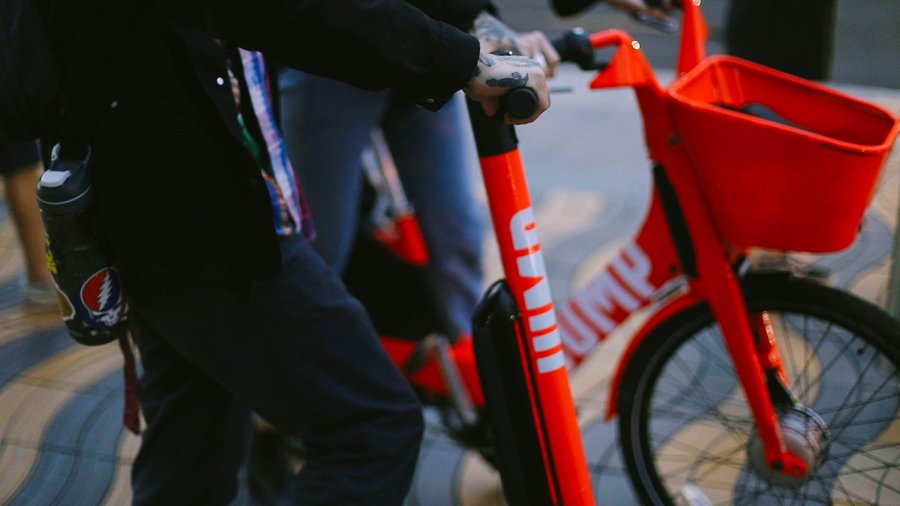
{"type": "Point", "coordinates": [711, 407]}
{"type": "Point", "coordinates": [887, 466]}
{"type": "Point", "coordinates": [837, 356]}
{"type": "Point", "coordinates": [704, 408]}
{"type": "Point", "coordinates": [864, 474]}
{"type": "Point", "coordinates": [689, 373]}
{"type": "Point", "coordinates": [840, 484]}
{"type": "Point", "coordinates": [723, 457]}
{"type": "Point", "coordinates": [837, 435]}
{"type": "Point", "coordinates": [811, 357]}
{"type": "Point", "coordinates": [685, 471]}
{"type": "Point", "coordinates": [711, 469]}
{"type": "Point", "coordinates": [712, 411]}
{"type": "Point", "coordinates": [863, 423]}
{"type": "Point", "coordinates": [759, 491]}
{"type": "Point", "coordinates": [788, 342]}
{"type": "Point", "coordinates": [824, 411]}
{"type": "Point", "coordinates": [697, 427]}
{"type": "Point", "coordinates": [869, 449]}
{"type": "Point", "coordinates": [734, 428]}
{"type": "Point", "coordinates": [725, 366]}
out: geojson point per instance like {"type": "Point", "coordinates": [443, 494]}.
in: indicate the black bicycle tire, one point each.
{"type": "Point", "coordinates": [781, 292]}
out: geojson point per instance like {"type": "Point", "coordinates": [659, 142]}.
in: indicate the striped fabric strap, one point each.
{"type": "Point", "coordinates": [282, 172]}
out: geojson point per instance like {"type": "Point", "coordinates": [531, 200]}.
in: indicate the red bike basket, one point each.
{"type": "Point", "coordinates": [800, 188]}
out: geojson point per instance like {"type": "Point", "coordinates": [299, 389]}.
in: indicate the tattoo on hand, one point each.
{"type": "Point", "coordinates": [489, 26]}
{"type": "Point", "coordinates": [515, 81]}
{"type": "Point", "coordinates": [491, 29]}
{"type": "Point", "coordinates": [521, 62]}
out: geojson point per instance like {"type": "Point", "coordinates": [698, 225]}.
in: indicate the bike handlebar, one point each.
{"type": "Point", "coordinates": [520, 102]}
{"type": "Point", "coordinates": [575, 47]}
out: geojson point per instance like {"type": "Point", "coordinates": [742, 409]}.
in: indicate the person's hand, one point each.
{"type": "Point", "coordinates": [537, 46]}
{"type": "Point", "coordinates": [495, 35]}
{"type": "Point", "coordinates": [495, 75]}
{"type": "Point", "coordinates": [639, 6]}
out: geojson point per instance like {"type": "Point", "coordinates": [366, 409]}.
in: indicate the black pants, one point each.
{"type": "Point", "coordinates": [296, 349]}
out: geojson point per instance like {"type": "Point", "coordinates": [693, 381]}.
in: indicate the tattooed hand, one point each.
{"type": "Point", "coordinates": [496, 75]}
{"type": "Point", "coordinates": [494, 35]}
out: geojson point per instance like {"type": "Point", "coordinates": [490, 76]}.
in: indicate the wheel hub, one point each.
{"type": "Point", "coordinates": [805, 435]}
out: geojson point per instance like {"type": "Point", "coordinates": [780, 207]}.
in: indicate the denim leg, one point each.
{"type": "Point", "coordinates": [326, 126]}
{"type": "Point", "coordinates": [298, 350]}
{"type": "Point", "coordinates": [438, 164]}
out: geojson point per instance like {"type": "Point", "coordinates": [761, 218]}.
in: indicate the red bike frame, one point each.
{"type": "Point", "coordinates": [678, 240]}
{"type": "Point", "coordinates": [523, 265]}
{"type": "Point", "coordinates": [712, 278]}
{"type": "Point", "coordinates": [632, 279]}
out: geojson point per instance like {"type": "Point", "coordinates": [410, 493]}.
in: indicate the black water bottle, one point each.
{"type": "Point", "coordinates": [91, 299]}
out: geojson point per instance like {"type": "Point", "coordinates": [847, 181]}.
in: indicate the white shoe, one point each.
{"type": "Point", "coordinates": [39, 295]}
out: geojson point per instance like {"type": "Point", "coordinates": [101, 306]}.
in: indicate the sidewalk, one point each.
{"type": "Point", "coordinates": [61, 439]}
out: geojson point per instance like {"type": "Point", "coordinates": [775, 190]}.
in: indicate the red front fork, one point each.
{"type": "Point", "coordinates": [716, 282]}
{"type": "Point", "coordinates": [721, 289]}
{"type": "Point", "coordinates": [713, 277]}
{"type": "Point", "coordinates": [767, 348]}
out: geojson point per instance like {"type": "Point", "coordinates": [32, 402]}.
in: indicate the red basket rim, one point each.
{"type": "Point", "coordinates": [673, 91]}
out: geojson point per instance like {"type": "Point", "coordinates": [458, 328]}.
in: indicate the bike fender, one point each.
{"type": "Point", "coordinates": [669, 309]}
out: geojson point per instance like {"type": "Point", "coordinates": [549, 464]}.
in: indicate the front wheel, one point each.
{"type": "Point", "coordinates": [688, 436]}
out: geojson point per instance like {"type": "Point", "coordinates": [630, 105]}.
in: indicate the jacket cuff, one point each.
{"type": "Point", "coordinates": [452, 68]}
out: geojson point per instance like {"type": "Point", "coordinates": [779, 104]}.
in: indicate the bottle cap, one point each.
{"type": "Point", "coordinates": [64, 188]}
{"type": "Point", "coordinates": [54, 178]}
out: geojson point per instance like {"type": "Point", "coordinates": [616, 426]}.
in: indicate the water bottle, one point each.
{"type": "Point", "coordinates": [89, 290]}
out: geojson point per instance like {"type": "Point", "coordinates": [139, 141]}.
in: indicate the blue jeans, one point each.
{"type": "Point", "coordinates": [298, 350]}
{"type": "Point", "coordinates": [326, 128]}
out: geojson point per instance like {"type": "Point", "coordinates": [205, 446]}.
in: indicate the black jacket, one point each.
{"type": "Point", "coordinates": [177, 192]}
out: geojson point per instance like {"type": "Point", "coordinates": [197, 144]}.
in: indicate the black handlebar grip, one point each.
{"type": "Point", "coordinates": [575, 46]}
{"type": "Point", "coordinates": [520, 102]}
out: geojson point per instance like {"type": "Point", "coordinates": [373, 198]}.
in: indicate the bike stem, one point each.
{"type": "Point", "coordinates": [553, 407]}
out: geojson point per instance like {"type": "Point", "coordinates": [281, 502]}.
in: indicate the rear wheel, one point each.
{"type": "Point", "coordinates": [688, 436]}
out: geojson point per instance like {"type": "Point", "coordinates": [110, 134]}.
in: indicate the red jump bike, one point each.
{"type": "Point", "coordinates": [744, 386]}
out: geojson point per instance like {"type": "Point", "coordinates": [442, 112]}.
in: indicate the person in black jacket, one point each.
{"type": "Point", "coordinates": [327, 125]}
{"type": "Point", "coordinates": [228, 309]}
